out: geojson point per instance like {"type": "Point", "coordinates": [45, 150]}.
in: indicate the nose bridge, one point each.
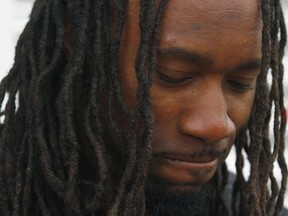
{"type": "Point", "coordinates": [213, 105]}
{"type": "Point", "coordinates": [207, 118]}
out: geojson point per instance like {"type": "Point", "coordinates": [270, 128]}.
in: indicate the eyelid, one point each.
{"type": "Point", "coordinates": [172, 76]}
{"type": "Point", "coordinates": [243, 86]}
{"type": "Point", "coordinates": [165, 69]}
{"type": "Point", "coordinates": [171, 79]}
{"type": "Point", "coordinates": [243, 78]}
{"type": "Point", "coordinates": [245, 74]}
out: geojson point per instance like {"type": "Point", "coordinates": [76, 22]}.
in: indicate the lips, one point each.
{"type": "Point", "coordinates": [182, 169]}
{"type": "Point", "coordinates": [192, 158]}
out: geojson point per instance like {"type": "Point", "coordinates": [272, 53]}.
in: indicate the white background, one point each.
{"type": "Point", "coordinates": [13, 16]}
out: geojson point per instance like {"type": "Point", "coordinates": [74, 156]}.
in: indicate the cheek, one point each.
{"type": "Point", "coordinates": [240, 109]}
{"type": "Point", "coordinates": [128, 84]}
{"type": "Point", "coordinates": [129, 45]}
{"type": "Point", "coordinates": [127, 74]}
{"type": "Point", "coordinates": [165, 106]}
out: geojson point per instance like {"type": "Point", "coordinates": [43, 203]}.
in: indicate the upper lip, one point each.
{"type": "Point", "coordinates": [192, 158]}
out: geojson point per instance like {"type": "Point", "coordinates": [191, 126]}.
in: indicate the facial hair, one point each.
{"type": "Point", "coordinates": [162, 202]}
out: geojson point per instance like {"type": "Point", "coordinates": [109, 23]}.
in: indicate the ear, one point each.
{"type": "Point", "coordinates": [68, 48]}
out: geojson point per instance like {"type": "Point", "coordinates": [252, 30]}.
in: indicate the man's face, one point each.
{"type": "Point", "coordinates": [202, 94]}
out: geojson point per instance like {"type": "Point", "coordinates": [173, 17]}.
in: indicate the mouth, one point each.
{"type": "Point", "coordinates": [182, 170]}
{"type": "Point", "coordinates": [190, 158]}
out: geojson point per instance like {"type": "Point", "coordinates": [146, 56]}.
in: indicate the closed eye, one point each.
{"type": "Point", "coordinates": [172, 77]}
{"type": "Point", "coordinates": [242, 87]}
{"type": "Point", "coordinates": [169, 79]}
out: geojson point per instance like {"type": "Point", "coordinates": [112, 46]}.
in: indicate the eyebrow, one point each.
{"type": "Point", "coordinates": [253, 64]}
{"type": "Point", "coordinates": [195, 57]}
{"type": "Point", "coordinates": [206, 59]}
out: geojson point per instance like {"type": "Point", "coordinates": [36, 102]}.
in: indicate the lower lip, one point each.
{"type": "Point", "coordinates": [176, 172]}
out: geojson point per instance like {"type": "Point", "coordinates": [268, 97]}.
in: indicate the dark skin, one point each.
{"type": "Point", "coordinates": [203, 91]}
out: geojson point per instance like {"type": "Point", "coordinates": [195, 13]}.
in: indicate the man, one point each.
{"type": "Point", "coordinates": [131, 107]}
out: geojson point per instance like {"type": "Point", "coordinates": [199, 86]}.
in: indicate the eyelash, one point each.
{"type": "Point", "coordinates": [236, 85]}
{"type": "Point", "coordinates": [240, 86]}
{"type": "Point", "coordinates": [170, 80]}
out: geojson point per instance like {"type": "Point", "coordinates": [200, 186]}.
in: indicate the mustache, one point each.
{"type": "Point", "coordinates": [212, 153]}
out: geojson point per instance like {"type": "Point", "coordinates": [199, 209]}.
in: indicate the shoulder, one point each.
{"type": "Point", "coordinates": [229, 190]}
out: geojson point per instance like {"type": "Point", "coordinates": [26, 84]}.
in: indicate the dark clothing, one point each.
{"type": "Point", "coordinates": [229, 189]}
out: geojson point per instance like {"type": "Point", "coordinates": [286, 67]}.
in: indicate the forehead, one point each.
{"type": "Point", "coordinates": [195, 16]}
{"type": "Point", "coordinates": [224, 8]}
{"type": "Point", "coordinates": [202, 17]}
{"type": "Point", "coordinates": [224, 28]}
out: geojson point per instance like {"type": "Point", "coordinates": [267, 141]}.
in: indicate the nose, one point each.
{"type": "Point", "coordinates": [207, 117]}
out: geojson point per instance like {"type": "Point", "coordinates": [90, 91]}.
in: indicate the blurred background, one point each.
{"type": "Point", "coordinates": [15, 13]}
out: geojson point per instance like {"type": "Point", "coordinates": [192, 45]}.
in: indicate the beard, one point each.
{"type": "Point", "coordinates": [162, 202]}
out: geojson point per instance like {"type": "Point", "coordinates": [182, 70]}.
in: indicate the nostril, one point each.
{"type": "Point", "coordinates": [220, 129]}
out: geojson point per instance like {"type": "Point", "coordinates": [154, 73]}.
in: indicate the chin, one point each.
{"type": "Point", "coordinates": [181, 200]}
{"type": "Point", "coordinates": [183, 188]}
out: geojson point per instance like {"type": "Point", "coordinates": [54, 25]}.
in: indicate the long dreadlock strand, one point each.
{"type": "Point", "coordinates": [40, 142]}
{"type": "Point", "coordinates": [259, 151]}
{"type": "Point", "coordinates": [144, 148]}
{"type": "Point", "coordinates": [92, 111]}
{"type": "Point", "coordinates": [282, 127]}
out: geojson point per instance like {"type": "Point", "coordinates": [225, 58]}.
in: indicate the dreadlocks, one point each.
{"type": "Point", "coordinates": [39, 145]}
